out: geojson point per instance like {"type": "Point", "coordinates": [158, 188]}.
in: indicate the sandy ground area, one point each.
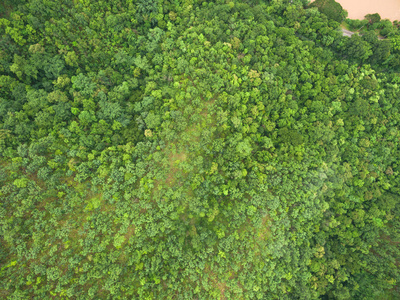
{"type": "Point", "coordinates": [357, 9]}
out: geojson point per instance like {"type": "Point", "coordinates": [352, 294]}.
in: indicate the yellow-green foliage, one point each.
{"type": "Point", "coordinates": [196, 150]}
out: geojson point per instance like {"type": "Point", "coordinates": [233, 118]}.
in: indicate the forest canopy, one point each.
{"type": "Point", "coordinates": [197, 150]}
{"type": "Point", "coordinates": [332, 9]}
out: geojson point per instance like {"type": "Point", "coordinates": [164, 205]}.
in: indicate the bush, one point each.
{"type": "Point", "coordinates": [331, 9]}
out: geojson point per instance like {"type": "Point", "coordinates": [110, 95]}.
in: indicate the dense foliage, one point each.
{"type": "Point", "coordinates": [332, 9]}
{"type": "Point", "coordinates": [196, 150]}
{"type": "Point", "coordinates": [382, 37]}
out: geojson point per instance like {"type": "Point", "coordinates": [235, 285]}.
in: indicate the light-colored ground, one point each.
{"type": "Point", "coordinates": [347, 32]}
{"type": "Point", "coordinates": [357, 9]}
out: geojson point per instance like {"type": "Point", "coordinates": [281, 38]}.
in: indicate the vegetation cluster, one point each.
{"type": "Point", "coordinates": [332, 9]}
{"type": "Point", "coordinates": [196, 150]}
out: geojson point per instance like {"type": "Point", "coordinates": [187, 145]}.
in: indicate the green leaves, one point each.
{"type": "Point", "coordinates": [152, 120]}
{"type": "Point", "coordinates": [244, 148]}
{"type": "Point", "coordinates": [21, 182]}
{"type": "Point", "coordinates": [87, 117]}
{"type": "Point", "coordinates": [231, 154]}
